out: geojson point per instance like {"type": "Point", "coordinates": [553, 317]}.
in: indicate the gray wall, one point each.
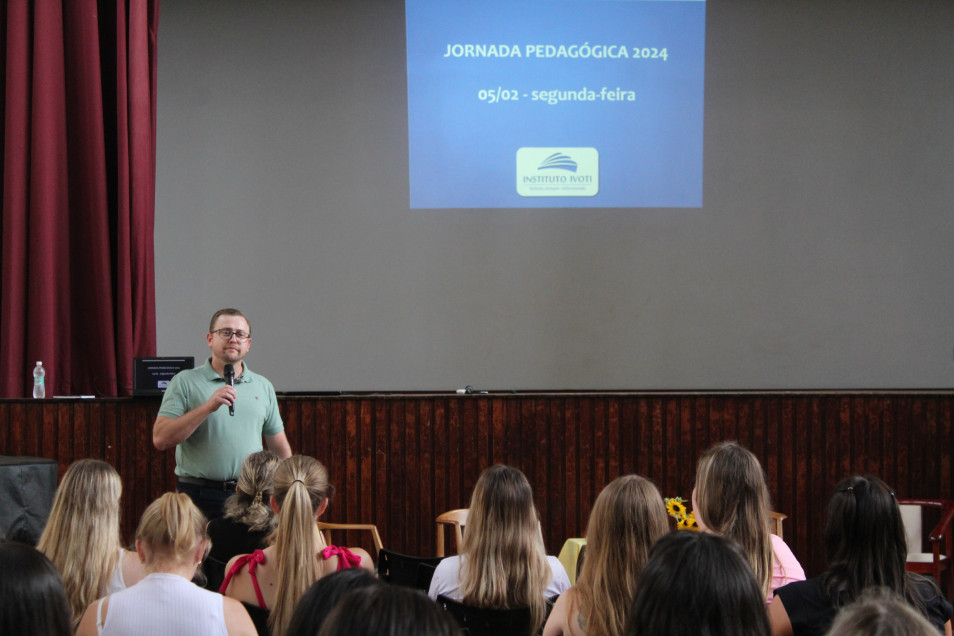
{"type": "Point", "coordinates": [821, 257]}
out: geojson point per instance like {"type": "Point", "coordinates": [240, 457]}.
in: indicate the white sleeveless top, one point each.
{"type": "Point", "coordinates": [116, 582]}
{"type": "Point", "coordinates": [163, 605]}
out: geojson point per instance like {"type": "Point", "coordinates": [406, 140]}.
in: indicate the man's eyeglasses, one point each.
{"type": "Point", "coordinates": [227, 334]}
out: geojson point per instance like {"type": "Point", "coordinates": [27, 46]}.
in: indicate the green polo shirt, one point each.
{"type": "Point", "coordinates": [218, 447]}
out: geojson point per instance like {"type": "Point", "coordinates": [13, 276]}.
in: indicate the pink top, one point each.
{"type": "Point", "coordinates": [785, 567]}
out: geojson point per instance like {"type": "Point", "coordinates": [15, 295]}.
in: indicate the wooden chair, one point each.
{"type": "Point", "coordinates": [455, 519]}
{"type": "Point", "coordinates": [480, 621]}
{"type": "Point", "coordinates": [326, 528]}
{"type": "Point", "coordinates": [777, 519]}
{"type": "Point", "coordinates": [409, 571]}
{"type": "Point", "coordinates": [936, 562]}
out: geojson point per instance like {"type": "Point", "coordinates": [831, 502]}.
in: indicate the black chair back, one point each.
{"type": "Point", "coordinates": [259, 618]}
{"type": "Point", "coordinates": [479, 621]}
{"type": "Point", "coordinates": [409, 571]}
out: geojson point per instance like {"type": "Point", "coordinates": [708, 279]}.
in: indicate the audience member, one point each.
{"type": "Point", "coordinates": [731, 499]}
{"type": "Point", "coordinates": [323, 595]}
{"type": "Point", "coordinates": [879, 612]}
{"type": "Point", "coordinates": [388, 610]}
{"type": "Point", "coordinates": [697, 584]}
{"type": "Point", "coordinates": [32, 600]}
{"type": "Point", "coordinates": [865, 545]}
{"type": "Point", "coordinates": [171, 542]}
{"type": "Point", "coordinates": [276, 577]}
{"type": "Point", "coordinates": [81, 536]}
{"type": "Point", "coordinates": [627, 518]}
{"type": "Point", "coordinates": [502, 563]}
{"type": "Point", "coordinates": [249, 518]}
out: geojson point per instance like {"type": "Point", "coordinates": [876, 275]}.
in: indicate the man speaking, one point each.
{"type": "Point", "coordinates": [211, 442]}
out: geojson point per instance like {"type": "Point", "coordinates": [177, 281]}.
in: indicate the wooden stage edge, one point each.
{"type": "Point", "coordinates": [400, 459]}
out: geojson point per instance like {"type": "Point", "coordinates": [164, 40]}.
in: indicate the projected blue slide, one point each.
{"type": "Point", "coordinates": [555, 103]}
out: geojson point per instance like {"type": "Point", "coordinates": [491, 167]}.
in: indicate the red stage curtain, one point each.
{"type": "Point", "coordinates": [77, 288]}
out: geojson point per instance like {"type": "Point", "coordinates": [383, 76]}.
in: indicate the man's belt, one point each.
{"type": "Point", "coordinates": [208, 483]}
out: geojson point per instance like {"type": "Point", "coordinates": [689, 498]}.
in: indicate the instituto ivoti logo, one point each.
{"type": "Point", "coordinates": [558, 172]}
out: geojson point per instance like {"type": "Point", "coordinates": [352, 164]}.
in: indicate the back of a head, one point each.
{"type": "Point", "coordinates": [505, 562]}
{"type": "Point", "coordinates": [32, 600]}
{"type": "Point", "coordinates": [697, 584]}
{"type": "Point", "coordinates": [879, 612]}
{"type": "Point", "coordinates": [86, 505]}
{"type": "Point", "coordinates": [86, 502]}
{"type": "Point", "coordinates": [301, 487]}
{"type": "Point", "coordinates": [626, 520]}
{"type": "Point", "coordinates": [172, 529]}
{"type": "Point", "coordinates": [313, 608]}
{"type": "Point", "coordinates": [865, 543]}
{"type": "Point", "coordinates": [250, 503]}
{"type": "Point", "coordinates": [732, 499]}
{"type": "Point", "coordinates": [388, 610]}
{"type": "Point", "coordinates": [500, 508]}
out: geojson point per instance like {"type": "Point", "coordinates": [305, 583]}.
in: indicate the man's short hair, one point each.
{"type": "Point", "coordinates": [228, 311]}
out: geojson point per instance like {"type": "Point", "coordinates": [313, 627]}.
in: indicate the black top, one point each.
{"type": "Point", "coordinates": [811, 613]}
{"type": "Point", "coordinates": [229, 538]}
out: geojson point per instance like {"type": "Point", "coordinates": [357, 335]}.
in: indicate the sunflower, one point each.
{"type": "Point", "coordinates": [676, 507]}
{"type": "Point", "coordinates": [688, 522]}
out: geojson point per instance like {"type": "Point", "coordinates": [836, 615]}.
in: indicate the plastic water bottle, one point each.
{"type": "Point", "coordinates": [39, 383]}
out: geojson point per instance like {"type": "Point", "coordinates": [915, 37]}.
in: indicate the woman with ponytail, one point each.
{"type": "Point", "coordinates": [170, 542]}
{"type": "Point", "coordinates": [276, 577]}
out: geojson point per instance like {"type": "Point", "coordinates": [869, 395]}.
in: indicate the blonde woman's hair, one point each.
{"type": "Point", "coordinates": [301, 485]}
{"type": "Point", "coordinates": [81, 536]}
{"type": "Point", "coordinates": [503, 559]}
{"type": "Point", "coordinates": [732, 500]}
{"type": "Point", "coordinates": [172, 528]}
{"type": "Point", "coordinates": [627, 518]}
{"type": "Point", "coordinates": [250, 503]}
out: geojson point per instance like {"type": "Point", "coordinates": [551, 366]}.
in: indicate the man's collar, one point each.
{"type": "Point", "coordinates": [212, 374]}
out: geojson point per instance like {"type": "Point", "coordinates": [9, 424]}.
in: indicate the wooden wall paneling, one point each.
{"type": "Point", "coordinates": [944, 447]}
{"type": "Point", "coordinates": [578, 409]}
{"type": "Point", "coordinates": [380, 469]}
{"type": "Point", "coordinates": [551, 494]}
{"type": "Point", "coordinates": [418, 473]}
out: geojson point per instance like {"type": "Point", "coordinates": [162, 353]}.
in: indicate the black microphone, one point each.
{"type": "Point", "coordinates": [230, 378]}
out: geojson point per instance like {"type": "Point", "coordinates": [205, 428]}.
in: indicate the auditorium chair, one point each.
{"type": "Point", "coordinates": [479, 621]}
{"type": "Point", "coordinates": [455, 519]}
{"type": "Point", "coordinates": [777, 519]}
{"type": "Point", "coordinates": [936, 562]}
{"type": "Point", "coordinates": [325, 528]}
{"type": "Point", "coordinates": [409, 571]}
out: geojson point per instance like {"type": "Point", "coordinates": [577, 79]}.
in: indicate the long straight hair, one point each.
{"type": "Point", "coordinates": [865, 543]}
{"type": "Point", "coordinates": [732, 500]}
{"type": "Point", "coordinates": [627, 518]}
{"type": "Point", "coordinates": [301, 485]}
{"type": "Point", "coordinates": [503, 559]}
{"type": "Point", "coordinates": [81, 536]}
